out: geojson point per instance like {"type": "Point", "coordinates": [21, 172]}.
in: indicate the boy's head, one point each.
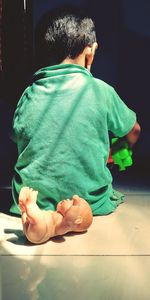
{"type": "Point", "coordinates": [64, 33]}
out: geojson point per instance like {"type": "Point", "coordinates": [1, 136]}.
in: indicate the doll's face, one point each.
{"type": "Point", "coordinates": [77, 214]}
{"type": "Point", "coordinates": [70, 210]}
{"type": "Point", "coordinates": [63, 206]}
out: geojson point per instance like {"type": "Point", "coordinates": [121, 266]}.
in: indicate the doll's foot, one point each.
{"type": "Point", "coordinates": [33, 218]}
{"type": "Point", "coordinates": [27, 196]}
{"type": "Point", "coordinates": [27, 201]}
{"type": "Point", "coordinates": [23, 196]}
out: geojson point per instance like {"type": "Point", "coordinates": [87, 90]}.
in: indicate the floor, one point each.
{"type": "Point", "coordinates": [109, 262]}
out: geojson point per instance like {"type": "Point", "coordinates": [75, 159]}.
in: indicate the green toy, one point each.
{"type": "Point", "coordinates": [121, 154]}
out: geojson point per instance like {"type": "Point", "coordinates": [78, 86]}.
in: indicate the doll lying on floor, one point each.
{"type": "Point", "coordinates": [39, 226]}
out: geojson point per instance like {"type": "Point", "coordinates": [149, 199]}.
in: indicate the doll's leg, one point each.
{"type": "Point", "coordinates": [33, 218]}
{"type": "Point", "coordinates": [28, 206]}
{"type": "Point", "coordinates": [24, 194]}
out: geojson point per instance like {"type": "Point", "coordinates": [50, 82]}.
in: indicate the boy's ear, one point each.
{"type": "Point", "coordinates": [94, 47]}
{"type": "Point", "coordinates": [89, 55]}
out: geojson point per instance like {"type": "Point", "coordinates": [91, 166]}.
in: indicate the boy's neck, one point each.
{"type": "Point", "coordinates": [79, 60]}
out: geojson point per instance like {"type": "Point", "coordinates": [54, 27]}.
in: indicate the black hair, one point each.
{"type": "Point", "coordinates": [65, 32]}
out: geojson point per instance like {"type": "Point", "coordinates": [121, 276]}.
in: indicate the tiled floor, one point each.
{"type": "Point", "coordinates": [109, 262]}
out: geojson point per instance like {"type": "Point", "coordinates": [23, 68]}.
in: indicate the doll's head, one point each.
{"type": "Point", "coordinates": [77, 214]}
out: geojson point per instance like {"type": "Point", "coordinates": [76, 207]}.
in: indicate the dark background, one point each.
{"type": "Point", "coordinates": [122, 60]}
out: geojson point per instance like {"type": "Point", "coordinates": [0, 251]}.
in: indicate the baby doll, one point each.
{"type": "Point", "coordinates": [39, 225]}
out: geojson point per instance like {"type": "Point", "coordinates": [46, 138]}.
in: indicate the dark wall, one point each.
{"type": "Point", "coordinates": [122, 60]}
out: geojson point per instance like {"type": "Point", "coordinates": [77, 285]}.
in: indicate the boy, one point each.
{"type": "Point", "coordinates": [62, 122]}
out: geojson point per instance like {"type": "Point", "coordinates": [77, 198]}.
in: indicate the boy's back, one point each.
{"type": "Point", "coordinates": [61, 128]}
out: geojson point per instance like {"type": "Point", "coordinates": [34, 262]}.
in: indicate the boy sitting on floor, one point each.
{"type": "Point", "coordinates": [61, 124]}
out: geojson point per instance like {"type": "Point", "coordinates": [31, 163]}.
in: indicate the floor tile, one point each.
{"type": "Point", "coordinates": [76, 277]}
{"type": "Point", "coordinates": [109, 262]}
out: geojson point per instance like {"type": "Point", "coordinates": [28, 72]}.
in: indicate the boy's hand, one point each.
{"type": "Point", "coordinates": [133, 135]}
